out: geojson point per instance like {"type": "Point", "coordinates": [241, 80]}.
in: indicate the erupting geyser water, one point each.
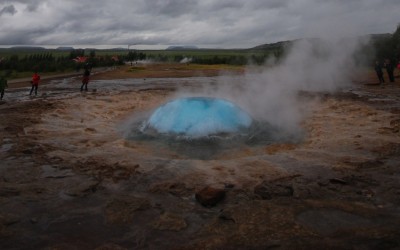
{"type": "Point", "coordinates": [199, 117]}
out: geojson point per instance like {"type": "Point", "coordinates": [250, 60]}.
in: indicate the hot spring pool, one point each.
{"type": "Point", "coordinates": [198, 117]}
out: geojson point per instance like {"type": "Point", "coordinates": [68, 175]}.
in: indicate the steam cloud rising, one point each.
{"type": "Point", "coordinates": [272, 93]}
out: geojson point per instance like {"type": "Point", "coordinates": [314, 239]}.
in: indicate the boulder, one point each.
{"type": "Point", "coordinates": [210, 196]}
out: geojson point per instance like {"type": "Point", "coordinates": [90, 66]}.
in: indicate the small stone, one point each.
{"type": "Point", "coordinates": [226, 215]}
{"type": "Point", "coordinates": [210, 196]}
{"type": "Point", "coordinates": [27, 151]}
{"type": "Point", "coordinates": [337, 181]}
{"type": "Point", "coordinates": [90, 130]}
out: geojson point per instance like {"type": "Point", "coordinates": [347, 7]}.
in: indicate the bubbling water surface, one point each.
{"type": "Point", "coordinates": [197, 117]}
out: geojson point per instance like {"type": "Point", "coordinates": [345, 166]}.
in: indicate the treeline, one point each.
{"type": "Point", "coordinates": [47, 62]}
{"type": "Point", "coordinates": [380, 47]}
{"type": "Point", "coordinates": [388, 47]}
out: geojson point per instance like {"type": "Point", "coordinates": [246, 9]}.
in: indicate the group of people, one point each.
{"type": "Point", "coordinates": [389, 66]}
{"type": "Point", "coordinates": [36, 79]}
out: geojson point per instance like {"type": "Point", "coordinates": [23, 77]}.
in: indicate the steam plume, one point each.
{"type": "Point", "coordinates": [271, 94]}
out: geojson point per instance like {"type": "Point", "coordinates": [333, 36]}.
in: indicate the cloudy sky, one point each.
{"type": "Point", "coordinates": [204, 23]}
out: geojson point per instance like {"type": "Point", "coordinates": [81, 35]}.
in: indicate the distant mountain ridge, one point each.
{"type": "Point", "coordinates": [65, 48]}
{"type": "Point", "coordinates": [276, 45]}
{"type": "Point", "coordinates": [183, 47]}
{"type": "Point", "coordinates": [28, 47]}
{"type": "Point", "coordinates": [282, 44]}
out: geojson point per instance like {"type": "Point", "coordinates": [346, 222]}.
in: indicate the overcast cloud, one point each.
{"type": "Point", "coordinates": [205, 23]}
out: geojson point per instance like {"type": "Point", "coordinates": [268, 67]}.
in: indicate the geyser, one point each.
{"type": "Point", "coordinates": [199, 117]}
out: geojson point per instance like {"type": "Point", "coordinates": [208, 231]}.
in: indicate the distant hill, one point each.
{"type": "Point", "coordinates": [283, 44]}
{"type": "Point", "coordinates": [65, 48]}
{"type": "Point", "coordinates": [181, 48]}
{"type": "Point", "coordinates": [27, 48]}
{"type": "Point", "coordinates": [276, 45]}
{"type": "Point", "coordinates": [117, 49]}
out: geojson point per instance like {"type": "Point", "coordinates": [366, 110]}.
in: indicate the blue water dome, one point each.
{"type": "Point", "coordinates": [199, 117]}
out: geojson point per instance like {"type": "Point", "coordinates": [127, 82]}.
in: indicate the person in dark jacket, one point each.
{"type": "Point", "coordinates": [389, 69]}
{"type": "Point", "coordinates": [379, 72]}
{"type": "Point", "coordinates": [3, 86]}
{"type": "Point", "coordinates": [35, 83]}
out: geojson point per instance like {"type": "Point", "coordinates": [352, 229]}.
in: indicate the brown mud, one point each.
{"type": "Point", "coordinates": [70, 180]}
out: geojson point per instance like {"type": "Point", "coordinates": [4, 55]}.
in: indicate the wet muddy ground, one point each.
{"type": "Point", "coordinates": [71, 180]}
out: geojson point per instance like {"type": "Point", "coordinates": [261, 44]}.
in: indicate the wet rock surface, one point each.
{"type": "Point", "coordinates": [69, 180]}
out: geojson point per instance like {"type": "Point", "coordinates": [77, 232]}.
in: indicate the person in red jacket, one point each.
{"type": "Point", "coordinates": [35, 83]}
{"type": "Point", "coordinates": [86, 77]}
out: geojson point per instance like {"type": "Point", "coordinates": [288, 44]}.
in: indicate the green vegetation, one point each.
{"type": "Point", "coordinates": [388, 46]}
{"type": "Point", "coordinates": [380, 47]}
{"type": "Point", "coordinates": [21, 62]}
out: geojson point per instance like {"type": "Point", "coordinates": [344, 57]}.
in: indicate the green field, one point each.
{"type": "Point", "coordinates": [20, 62]}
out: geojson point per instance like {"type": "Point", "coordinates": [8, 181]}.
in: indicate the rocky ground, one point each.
{"type": "Point", "coordinates": [71, 180]}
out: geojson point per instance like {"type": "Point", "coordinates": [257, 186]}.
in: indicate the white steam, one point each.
{"type": "Point", "coordinates": [186, 60]}
{"type": "Point", "coordinates": [271, 94]}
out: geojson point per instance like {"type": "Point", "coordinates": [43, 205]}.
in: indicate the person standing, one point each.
{"type": "Point", "coordinates": [398, 68]}
{"type": "Point", "coordinates": [3, 86]}
{"type": "Point", "coordinates": [389, 69]}
{"type": "Point", "coordinates": [379, 72]}
{"type": "Point", "coordinates": [35, 83]}
{"type": "Point", "coordinates": [85, 78]}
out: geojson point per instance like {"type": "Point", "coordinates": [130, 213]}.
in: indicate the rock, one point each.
{"type": "Point", "coordinates": [229, 185]}
{"type": "Point", "coordinates": [267, 191]}
{"type": "Point", "coordinates": [226, 215]}
{"type": "Point", "coordinates": [210, 196]}
{"type": "Point", "coordinates": [27, 151]}
{"type": "Point", "coordinates": [337, 181]}
{"type": "Point", "coordinates": [170, 221]}
{"type": "Point", "coordinates": [90, 130]}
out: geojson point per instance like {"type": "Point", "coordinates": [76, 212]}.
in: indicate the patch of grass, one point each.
{"type": "Point", "coordinates": [136, 69]}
